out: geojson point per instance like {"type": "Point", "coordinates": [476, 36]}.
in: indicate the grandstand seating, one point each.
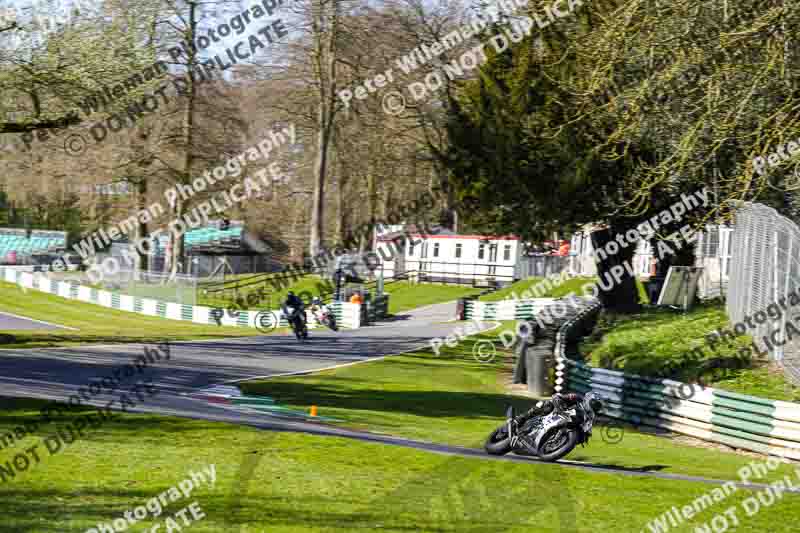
{"type": "Point", "coordinates": [16, 240]}
{"type": "Point", "coordinates": [206, 236]}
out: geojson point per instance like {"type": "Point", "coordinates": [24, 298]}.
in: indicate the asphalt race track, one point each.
{"type": "Point", "coordinates": [9, 321]}
{"type": "Point", "coordinates": [57, 373]}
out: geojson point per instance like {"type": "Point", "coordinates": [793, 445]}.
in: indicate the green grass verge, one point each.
{"type": "Point", "coordinates": [404, 295]}
{"type": "Point", "coordinates": [665, 343]}
{"type": "Point", "coordinates": [94, 323]}
{"type": "Point", "coordinates": [168, 293]}
{"type": "Point", "coordinates": [284, 482]}
{"type": "Point", "coordinates": [310, 283]}
{"type": "Point", "coordinates": [570, 286]}
{"type": "Point", "coordinates": [456, 400]}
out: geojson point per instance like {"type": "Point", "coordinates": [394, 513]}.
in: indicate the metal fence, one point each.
{"type": "Point", "coordinates": [180, 288]}
{"type": "Point", "coordinates": [541, 266]}
{"type": "Point", "coordinates": [763, 269]}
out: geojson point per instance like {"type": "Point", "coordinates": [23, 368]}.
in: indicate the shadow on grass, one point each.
{"type": "Point", "coordinates": [25, 509]}
{"type": "Point", "coordinates": [16, 412]}
{"type": "Point", "coordinates": [26, 340]}
{"type": "Point", "coordinates": [424, 403]}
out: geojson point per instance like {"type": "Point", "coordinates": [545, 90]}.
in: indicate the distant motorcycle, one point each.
{"type": "Point", "coordinates": [324, 316]}
{"type": "Point", "coordinates": [296, 321]}
{"type": "Point", "coordinates": [549, 437]}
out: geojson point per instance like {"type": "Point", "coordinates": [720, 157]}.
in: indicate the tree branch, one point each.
{"type": "Point", "coordinates": [20, 127]}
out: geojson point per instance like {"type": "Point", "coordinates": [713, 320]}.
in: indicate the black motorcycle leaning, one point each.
{"type": "Point", "coordinates": [548, 437]}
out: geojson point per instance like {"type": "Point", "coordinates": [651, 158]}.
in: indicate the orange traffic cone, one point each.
{"type": "Point", "coordinates": [313, 410]}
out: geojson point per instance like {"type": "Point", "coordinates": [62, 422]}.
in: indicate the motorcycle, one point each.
{"type": "Point", "coordinates": [296, 321]}
{"type": "Point", "coordinates": [549, 437]}
{"type": "Point", "coordinates": [326, 318]}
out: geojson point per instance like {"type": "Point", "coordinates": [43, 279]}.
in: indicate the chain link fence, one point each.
{"type": "Point", "coordinates": [764, 268]}
{"type": "Point", "coordinates": [181, 288]}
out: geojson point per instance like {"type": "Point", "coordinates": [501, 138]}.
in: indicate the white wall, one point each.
{"type": "Point", "coordinates": [437, 256]}
{"type": "Point", "coordinates": [712, 252]}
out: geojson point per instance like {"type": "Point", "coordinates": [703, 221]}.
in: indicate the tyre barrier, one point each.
{"type": "Point", "coordinates": [770, 427]}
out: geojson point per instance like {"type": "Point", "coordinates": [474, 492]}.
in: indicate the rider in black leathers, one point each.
{"type": "Point", "coordinates": [545, 407]}
{"type": "Point", "coordinates": [292, 300]}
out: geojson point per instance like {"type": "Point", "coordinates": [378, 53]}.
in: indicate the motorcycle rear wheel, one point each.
{"type": "Point", "coordinates": [498, 442]}
{"type": "Point", "coordinates": [564, 445]}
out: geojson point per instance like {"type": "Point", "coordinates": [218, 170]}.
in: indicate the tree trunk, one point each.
{"type": "Point", "coordinates": [176, 242]}
{"type": "Point", "coordinates": [342, 218]}
{"type": "Point", "coordinates": [617, 287]}
{"type": "Point", "coordinates": [318, 204]}
{"type": "Point", "coordinates": [372, 205]}
{"type": "Point", "coordinates": [341, 211]}
{"type": "Point", "coordinates": [325, 38]}
{"type": "Point", "coordinates": [188, 161]}
{"type": "Point", "coordinates": [682, 257]}
{"type": "Point", "coordinates": [141, 262]}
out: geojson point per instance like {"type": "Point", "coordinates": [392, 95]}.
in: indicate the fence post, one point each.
{"type": "Point", "coordinates": [779, 353]}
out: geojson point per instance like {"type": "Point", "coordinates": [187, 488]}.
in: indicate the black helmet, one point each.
{"type": "Point", "coordinates": [290, 293]}
{"type": "Point", "coordinates": [595, 401]}
{"type": "Point", "coordinates": [597, 405]}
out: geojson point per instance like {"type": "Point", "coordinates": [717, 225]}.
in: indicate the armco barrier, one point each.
{"type": "Point", "coordinates": [505, 309]}
{"type": "Point", "coordinates": [737, 420]}
{"type": "Point", "coordinates": [347, 315]}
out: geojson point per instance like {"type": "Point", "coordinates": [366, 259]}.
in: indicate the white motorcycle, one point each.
{"type": "Point", "coordinates": [323, 315]}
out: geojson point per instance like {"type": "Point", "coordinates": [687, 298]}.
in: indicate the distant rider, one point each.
{"type": "Point", "coordinates": [317, 306]}
{"type": "Point", "coordinates": [292, 300]}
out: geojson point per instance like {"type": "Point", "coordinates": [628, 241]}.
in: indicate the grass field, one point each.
{"type": "Point", "coordinates": [457, 400]}
{"type": "Point", "coordinates": [661, 343]}
{"type": "Point", "coordinates": [94, 324]}
{"type": "Point", "coordinates": [310, 283]}
{"type": "Point", "coordinates": [573, 285]}
{"type": "Point", "coordinates": [279, 482]}
{"type": "Point", "coordinates": [404, 295]}
{"type": "Point", "coordinates": [269, 481]}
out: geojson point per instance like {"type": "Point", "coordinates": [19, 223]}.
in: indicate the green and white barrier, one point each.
{"type": "Point", "coordinates": [746, 422]}
{"type": "Point", "coordinates": [347, 315]}
{"type": "Point", "coordinates": [505, 309]}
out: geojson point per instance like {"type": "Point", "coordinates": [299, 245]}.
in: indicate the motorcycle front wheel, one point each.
{"type": "Point", "coordinates": [498, 442]}
{"type": "Point", "coordinates": [557, 443]}
{"type": "Point", "coordinates": [297, 328]}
